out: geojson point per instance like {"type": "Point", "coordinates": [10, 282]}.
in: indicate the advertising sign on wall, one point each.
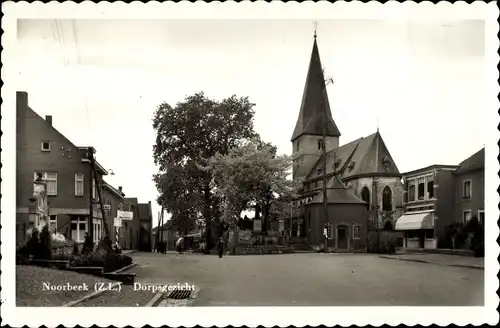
{"type": "Point", "coordinates": [125, 215]}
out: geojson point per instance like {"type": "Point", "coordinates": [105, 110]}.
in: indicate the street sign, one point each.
{"type": "Point", "coordinates": [325, 232]}
{"type": "Point", "coordinates": [117, 222]}
{"type": "Point", "coordinates": [107, 207]}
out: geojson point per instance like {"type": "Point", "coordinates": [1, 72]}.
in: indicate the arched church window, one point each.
{"type": "Point", "coordinates": [365, 195]}
{"type": "Point", "coordinates": [387, 199]}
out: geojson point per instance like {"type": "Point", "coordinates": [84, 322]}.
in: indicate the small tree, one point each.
{"type": "Point", "coordinates": [246, 176]}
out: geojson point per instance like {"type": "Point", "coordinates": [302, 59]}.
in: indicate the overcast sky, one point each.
{"type": "Point", "coordinates": [101, 80]}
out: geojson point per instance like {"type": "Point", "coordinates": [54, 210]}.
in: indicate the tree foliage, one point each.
{"type": "Point", "coordinates": [187, 136]}
{"type": "Point", "coordinates": [250, 175]}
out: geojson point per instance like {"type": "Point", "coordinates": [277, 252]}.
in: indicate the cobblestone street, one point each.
{"type": "Point", "coordinates": [312, 279]}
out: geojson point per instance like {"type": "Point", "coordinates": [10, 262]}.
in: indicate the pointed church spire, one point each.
{"type": "Point", "coordinates": [311, 111]}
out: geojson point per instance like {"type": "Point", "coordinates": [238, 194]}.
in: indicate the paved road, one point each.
{"type": "Point", "coordinates": [313, 279]}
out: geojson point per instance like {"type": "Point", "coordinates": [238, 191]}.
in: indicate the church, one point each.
{"type": "Point", "coordinates": [364, 188]}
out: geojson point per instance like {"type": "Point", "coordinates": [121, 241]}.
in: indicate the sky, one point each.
{"type": "Point", "coordinates": [422, 83]}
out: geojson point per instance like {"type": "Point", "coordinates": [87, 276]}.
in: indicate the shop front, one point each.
{"type": "Point", "coordinates": [418, 228]}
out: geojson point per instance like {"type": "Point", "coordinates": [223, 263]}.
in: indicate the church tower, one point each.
{"type": "Point", "coordinates": [307, 138]}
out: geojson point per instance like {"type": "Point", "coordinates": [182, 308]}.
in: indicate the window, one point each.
{"type": "Point", "coordinates": [480, 215]}
{"type": "Point", "coordinates": [51, 181]}
{"type": "Point", "coordinates": [467, 189]}
{"type": "Point", "coordinates": [94, 192]}
{"type": "Point", "coordinates": [467, 216]}
{"type": "Point", "coordinates": [387, 199]}
{"type": "Point", "coordinates": [97, 229]}
{"type": "Point", "coordinates": [79, 184]}
{"type": "Point", "coordinates": [78, 228]}
{"type": "Point", "coordinates": [53, 223]}
{"type": "Point", "coordinates": [298, 145]}
{"type": "Point", "coordinates": [321, 144]}
{"type": "Point", "coordinates": [356, 231]}
{"type": "Point", "coordinates": [430, 189]}
{"type": "Point", "coordinates": [421, 189]}
{"type": "Point", "coordinates": [411, 191]}
{"type": "Point", "coordinates": [365, 195]}
{"type": "Point", "coordinates": [45, 146]}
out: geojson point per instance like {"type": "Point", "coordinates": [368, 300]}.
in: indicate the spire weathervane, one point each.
{"type": "Point", "coordinates": [315, 28]}
{"type": "Point", "coordinates": [377, 123]}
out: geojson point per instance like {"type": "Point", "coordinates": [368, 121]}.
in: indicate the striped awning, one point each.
{"type": "Point", "coordinates": [415, 221]}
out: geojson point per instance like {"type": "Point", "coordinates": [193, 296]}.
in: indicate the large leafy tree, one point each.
{"type": "Point", "coordinates": [187, 136]}
{"type": "Point", "coordinates": [251, 175]}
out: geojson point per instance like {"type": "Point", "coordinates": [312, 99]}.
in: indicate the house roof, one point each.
{"type": "Point", "coordinates": [113, 189]}
{"type": "Point", "coordinates": [337, 193]}
{"type": "Point", "coordinates": [472, 163]}
{"type": "Point", "coordinates": [429, 168]}
{"type": "Point", "coordinates": [312, 113]}
{"type": "Point", "coordinates": [364, 156]}
{"type": "Point", "coordinates": [22, 96]}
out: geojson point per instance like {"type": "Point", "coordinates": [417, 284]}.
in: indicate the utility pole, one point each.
{"type": "Point", "coordinates": [90, 155]}
{"type": "Point", "coordinates": [325, 180]}
{"type": "Point", "coordinates": [99, 195]}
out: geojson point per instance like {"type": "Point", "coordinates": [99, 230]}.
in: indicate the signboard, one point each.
{"type": "Point", "coordinates": [325, 232]}
{"type": "Point", "coordinates": [281, 225]}
{"type": "Point", "coordinates": [125, 215]}
{"type": "Point", "coordinates": [107, 207]}
{"type": "Point", "coordinates": [117, 222]}
{"type": "Point", "coordinates": [257, 225]}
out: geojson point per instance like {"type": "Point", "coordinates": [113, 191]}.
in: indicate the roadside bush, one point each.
{"type": "Point", "coordinates": [109, 261]}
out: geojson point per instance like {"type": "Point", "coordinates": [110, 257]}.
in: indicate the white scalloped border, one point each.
{"type": "Point", "coordinates": [253, 316]}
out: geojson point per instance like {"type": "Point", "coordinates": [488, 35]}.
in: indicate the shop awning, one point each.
{"type": "Point", "coordinates": [415, 221]}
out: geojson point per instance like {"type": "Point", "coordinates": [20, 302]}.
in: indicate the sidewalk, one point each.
{"type": "Point", "coordinates": [440, 259]}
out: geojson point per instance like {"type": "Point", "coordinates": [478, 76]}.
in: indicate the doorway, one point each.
{"type": "Point", "coordinates": [342, 237]}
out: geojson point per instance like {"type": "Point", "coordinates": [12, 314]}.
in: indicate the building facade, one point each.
{"type": "Point", "coordinates": [45, 156]}
{"type": "Point", "coordinates": [65, 169]}
{"type": "Point", "coordinates": [146, 227]}
{"type": "Point", "coordinates": [469, 188]}
{"type": "Point", "coordinates": [364, 166]}
{"type": "Point", "coordinates": [440, 196]}
{"type": "Point", "coordinates": [429, 206]}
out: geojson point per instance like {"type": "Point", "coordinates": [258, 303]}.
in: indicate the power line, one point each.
{"type": "Point", "coordinates": [77, 43]}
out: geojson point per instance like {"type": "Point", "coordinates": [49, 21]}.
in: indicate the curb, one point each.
{"type": "Point", "coordinates": [89, 296]}
{"type": "Point", "coordinates": [126, 268]}
{"type": "Point", "coordinates": [476, 267]}
{"type": "Point", "coordinates": [154, 300]}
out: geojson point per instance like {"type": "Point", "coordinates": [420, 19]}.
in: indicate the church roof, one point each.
{"type": "Point", "coordinates": [315, 102]}
{"type": "Point", "coordinates": [364, 156]}
{"type": "Point", "coordinates": [473, 163]}
{"type": "Point", "coordinates": [337, 193]}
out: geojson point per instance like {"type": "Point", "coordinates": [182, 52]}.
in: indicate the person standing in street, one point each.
{"type": "Point", "coordinates": [180, 245]}
{"type": "Point", "coordinates": [220, 247]}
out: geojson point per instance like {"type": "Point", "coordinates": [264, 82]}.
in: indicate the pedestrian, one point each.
{"type": "Point", "coordinates": [220, 247]}
{"type": "Point", "coordinates": [179, 245]}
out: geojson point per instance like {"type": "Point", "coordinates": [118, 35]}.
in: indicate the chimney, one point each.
{"type": "Point", "coordinates": [48, 119]}
{"type": "Point", "coordinates": [21, 101]}
{"type": "Point", "coordinates": [120, 189]}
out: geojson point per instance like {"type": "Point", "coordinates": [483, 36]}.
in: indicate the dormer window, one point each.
{"type": "Point", "coordinates": [337, 163]}
{"type": "Point", "coordinates": [45, 146]}
{"type": "Point", "coordinates": [351, 166]}
{"type": "Point", "coordinates": [387, 162]}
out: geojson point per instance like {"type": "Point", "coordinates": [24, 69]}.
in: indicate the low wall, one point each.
{"type": "Point", "coordinates": [388, 241]}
